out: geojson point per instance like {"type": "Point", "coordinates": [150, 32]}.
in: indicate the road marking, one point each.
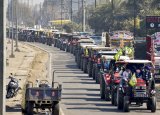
{"type": "Point", "coordinates": [50, 65]}
{"type": "Point", "coordinates": [61, 111]}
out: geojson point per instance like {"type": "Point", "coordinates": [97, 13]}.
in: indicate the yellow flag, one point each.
{"type": "Point", "coordinates": [116, 57]}
{"type": "Point", "coordinates": [86, 52]}
{"type": "Point", "coordinates": [133, 80]}
{"type": "Point", "coordinates": [137, 22]}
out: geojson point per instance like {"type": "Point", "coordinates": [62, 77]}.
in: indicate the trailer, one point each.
{"type": "Point", "coordinates": [153, 52]}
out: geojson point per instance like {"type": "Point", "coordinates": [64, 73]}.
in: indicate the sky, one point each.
{"type": "Point", "coordinates": [37, 1]}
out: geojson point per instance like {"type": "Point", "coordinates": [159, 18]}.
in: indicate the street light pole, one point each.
{"type": "Point", "coordinates": [16, 11]}
{"type": "Point", "coordinates": [41, 14]}
{"type": "Point", "coordinates": [112, 15]}
{"type": "Point", "coordinates": [71, 11]}
{"type": "Point", "coordinates": [9, 22]}
{"type": "Point", "coordinates": [12, 54]}
{"type": "Point", "coordinates": [84, 15]}
{"type": "Point", "coordinates": [61, 14]}
{"type": "Point", "coordinates": [112, 21]}
{"type": "Point", "coordinates": [2, 55]}
{"type": "Point", "coordinates": [134, 18]}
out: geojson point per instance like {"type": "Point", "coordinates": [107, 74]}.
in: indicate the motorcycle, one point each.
{"type": "Point", "coordinates": [12, 87]}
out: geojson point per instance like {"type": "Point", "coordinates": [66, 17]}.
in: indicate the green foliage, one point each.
{"type": "Point", "coordinates": [120, 16]}
{"type": "Point", "coordinates": [74, 27]}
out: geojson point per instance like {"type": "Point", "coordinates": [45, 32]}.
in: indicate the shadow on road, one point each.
{"type": "Point", "coordinates": [83, 98]}
{"type": "Point", "coordinates": [75, 72]}
{"type": "Point", "coordinates": [80, 82]}
{"type": "Point", "coordinates": [97, 104]}
{"type": "Point", "coordinates": [16, 108]}
{"type": "Point", "coordinates": [81, 94]}
{"type": "Point", "coordinates": [81, 89]}
{"type": "Point", "coordinates": [74, 76]}
{"type": "Point", "coordinates": [95, 108]}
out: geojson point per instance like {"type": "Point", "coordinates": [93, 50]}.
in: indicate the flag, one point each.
{"type": "Point", "coordinates": [133, 80]}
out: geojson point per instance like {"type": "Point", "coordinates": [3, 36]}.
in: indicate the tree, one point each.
{"type": "Point", "coordinates": [74, 27]}
{"type": "Point", "coordinates": [101, 19]}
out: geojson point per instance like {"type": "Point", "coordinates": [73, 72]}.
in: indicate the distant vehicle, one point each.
{"type": "Point", "coordinates": [97, 39]}
{"type": "Point", "coordinates": [12, 87]}
{"type": "Point", "coordinates": [117, 39]}
{"type": "Point", "coordinates": [86, 34]}
{"type": "Point", "coordinates": [55, 30]}
{"type": "Point", "coordinates": [93, 58]}
{"type": "Point", "coordinates": [153, 52]}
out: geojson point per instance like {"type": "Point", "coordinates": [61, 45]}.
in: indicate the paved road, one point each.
{"type": "Point", "coordinates": [80, 94]}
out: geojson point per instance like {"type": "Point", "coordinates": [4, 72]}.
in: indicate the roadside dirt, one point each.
{"type": "Point", "coordinates": [39, 67]}
{"type": "Point", "coordinates": [20, 66]}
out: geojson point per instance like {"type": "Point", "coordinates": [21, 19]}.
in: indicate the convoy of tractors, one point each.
{"type": "Point", "coordinates": [123, 80]}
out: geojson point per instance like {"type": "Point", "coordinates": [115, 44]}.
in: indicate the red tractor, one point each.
{"type": "Point", "coordinates": [110, 78]}
{"type": "Point", "coordinates": [143, 91]}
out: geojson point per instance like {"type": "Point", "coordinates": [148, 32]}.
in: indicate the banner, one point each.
{"type": "Point", "coordinates": [153, 22]}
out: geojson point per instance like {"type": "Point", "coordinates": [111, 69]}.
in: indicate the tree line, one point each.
{"type": "Point", "coordinates": [120, 15]}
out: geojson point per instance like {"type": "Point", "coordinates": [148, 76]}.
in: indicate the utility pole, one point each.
{"type": "Point", "coordinates": [46, 17]}
{"type": "Point", "coordinates": [9, 20]}
{"type": "Point", "coordinates": [28, 9]}
{"type": "Point", "coordinates": [12, 54]}
{"type": "Point", "coordinates": [61, 13]}
{"type": "Point", "coordinates": [78, 5]}
{"type": "Point", "coordinates": [2, 55]}
{"type": "Point", "coordinates": [71, 12]}
{"type": "Point", "coordinates": [41, 13]}
{"type": "Point", "coordinates": [84, 15]}
{"type": "Point", "coordinates": [95, 3]}
{"type": "Point", "coordinates": [112, 14]}
{"type": "Point", "coordinates": [53, 17]}
{"type": "Point", "coordinates": [16, 11]}
{"type": "Point", "coordinates": [134, 19]}
{"type": "Point", "coordinates": [78, 11]}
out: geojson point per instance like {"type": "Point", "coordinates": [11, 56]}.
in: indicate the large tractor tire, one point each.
{"type": "Point", "coordinates": [85, 66]}
{"type": "Point", "coordinates": [90, 69]}
{"type": "Point", "coordinates": [29, 108]}
{"type": "Point", "coordinates": [97, 75]}
{"type": "Point", "coordinates": [153, 104]}
{"type": "Point", "coordinates": [81, 63]}
{"type": "Point", "coordinates": [78, 61]}
{"type": "Point", "coordinates": [56, 109]}
{"type": "Point", "coordinates": [112, 98]}
{"type": "Point", "coordinates": [126, 104]}
{"type": "Point", "coordinates": [76, 58]}
{"type": "Point", "coordinates": [102, 88]}
{"type": "Point", "coordinates": [107, 94]}
{"type": "Point", "coordinates": [119, 101]}
{"type": "Point", "coordinates": [93, 71]}
{"type": "Point", "coordinates": [115, 99]}
{"type": "Point", "coordinates": [148, 105]}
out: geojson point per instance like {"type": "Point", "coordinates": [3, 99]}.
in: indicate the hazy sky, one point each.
{"type": "Point", "coordinates": [37, 1]}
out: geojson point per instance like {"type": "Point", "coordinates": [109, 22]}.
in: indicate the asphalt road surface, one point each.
{"type": "Point", "coordinates": [80, 94]}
